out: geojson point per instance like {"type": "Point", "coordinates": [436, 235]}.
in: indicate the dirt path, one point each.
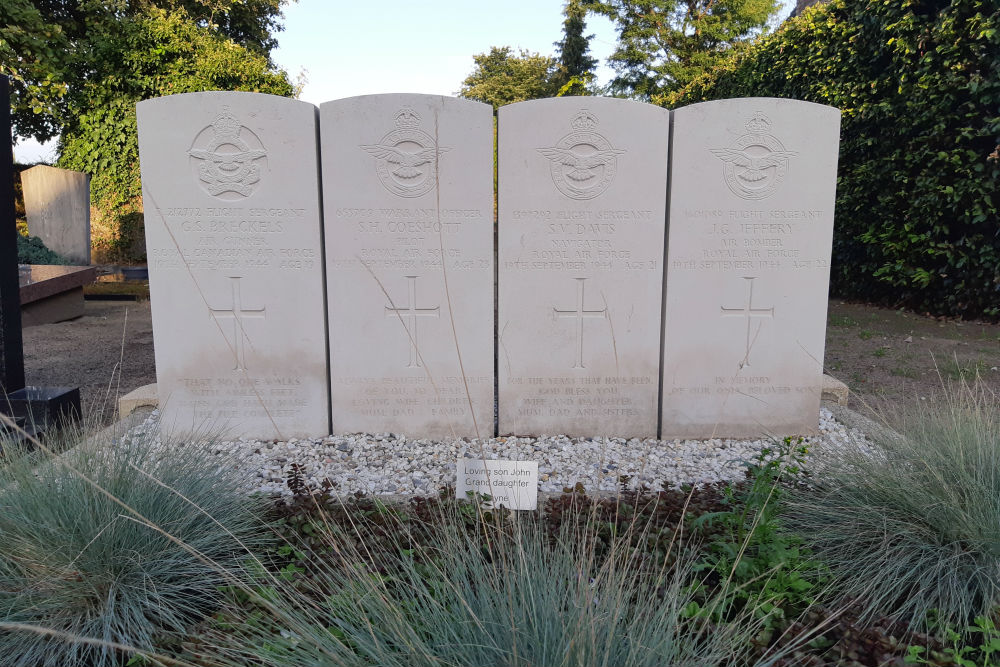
{"type": "Point", "coordinates": [887, 358]}
{"type": "Point", "coordinates": [891, 358]}
{"type": "Point", "coordinates": [86, 353]}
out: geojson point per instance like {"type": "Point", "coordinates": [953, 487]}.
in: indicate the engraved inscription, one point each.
{"type": "Point", "coordinates": [604, 397]}
{"type": "Point", "coordinates": [227, 158]}
{"type": "Point", "coordinates": [748, 311]}
{"type": "Point", "coordinates": [747, 241]}
{"type": "Point", "coordinates": [583, 163]}
{"type": "Point", "coordinates": [579, 314]}
{"type": "Point", "coordinates": [244, 397]}
{"type": "Point", "coordinates": [410, 312]}
{"type": "Point", "coordinates": [755, 164]}
{"type": "Point", "coordinates": [238, 313]}
{"type": "Point", "coordinates": [406, 158]}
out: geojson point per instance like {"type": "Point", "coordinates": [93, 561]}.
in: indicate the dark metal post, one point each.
{"type": "Point", "coordinates": [11, 351]}
{"type": "Point", "coordinates": [34, 409]}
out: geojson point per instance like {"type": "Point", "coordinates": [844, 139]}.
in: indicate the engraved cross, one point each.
{"type": "Point", "coordinates": [579, 314]}
{"type": "Point", "coordinates": [411, 313]}
{"type": "Point", "coordinates": [238, 313]}
{"type": "Point", "coordinates": [747, 312]}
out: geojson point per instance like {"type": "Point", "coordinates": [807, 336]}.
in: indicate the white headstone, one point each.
{"type": "Point", "coordinates": [751, 225]}
{"type": "Point", "coordinates": [57, 206]}
{"type": "Point", "coordinates": [581, 228]}
{"type": "Point", "coordinates": [232, 217]}
{"type": "Point", "coordinates": [407, 185]}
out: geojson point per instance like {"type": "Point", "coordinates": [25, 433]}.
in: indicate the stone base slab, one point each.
{"type": "Point", "coordinates": [835, 390]}
{"type": "Point", "coordinates": [44, 407]}
{"type": "Point", "coordinates": [143, 397]}
{"type": "Point", "coordinates": [56, 308]}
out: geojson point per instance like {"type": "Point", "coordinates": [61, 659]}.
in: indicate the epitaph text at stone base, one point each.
{"type": "Point", "coordinates": [232, 215]}
{"type": "Point", "coordinates": [751, 225]}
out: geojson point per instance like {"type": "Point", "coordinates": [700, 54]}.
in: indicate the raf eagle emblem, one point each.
{"type": "Point", "coordinates": [581, 168]}
{"type": "Point", "coordinates": [404, 165]}
{"type": "Point", "coordinates": [406, 159]}
{"type": "Point", "coordinates": [226, 163]}
{"type": "Point", "coordinates": [754, 168]}
{"type": "Point", "coordinates": [754, 164]}
{"type": "Point", "coordinates": [583, 163]}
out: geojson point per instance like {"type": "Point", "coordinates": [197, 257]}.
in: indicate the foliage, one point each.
{"type": "Point", "coordinates": [499, 77]}
{"type": "Point", "coordinates": [665, 44]}
{"type": "Point", "coordinates": [493, 588]}
{"type": "Point", "coordinates": [907, 523]}
{"type": "Point", "coordinates": [48, 47]}
{"type": "Point", "coordinates": [761, 564]}
{"type": "Point", "coordinates": [984, 652]}
{"type": "Point", "coordinates": [83, 555]}
{"type": "Point", "coordinates": [918, 83]}
{"type": "Point", "coordinates": [79, 71]}
{"type": "Point", "coordinates": [34, 54]}
{"type": "Point", "coordinates": [31, 250]}
{"type": "Point", "coordinates": [576, 67]}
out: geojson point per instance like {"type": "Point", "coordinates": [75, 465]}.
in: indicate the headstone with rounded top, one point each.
{"type": "Point", "coordinates": [407, 195]}
{"type": "Point", "coordinates": [57, 206]}
{"type": "Point", "coordinates": [582, 204]}
{"type": "Point", "coordinates": [232, 216]}
{"type": "Point", "coordinates": [748, 266]}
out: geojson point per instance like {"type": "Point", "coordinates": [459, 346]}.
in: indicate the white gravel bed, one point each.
{"type": "Point", "coordinates": [390, 464]}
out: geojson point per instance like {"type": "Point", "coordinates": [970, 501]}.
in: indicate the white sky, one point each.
{"type": "Point", "coordinates": [347, 48]}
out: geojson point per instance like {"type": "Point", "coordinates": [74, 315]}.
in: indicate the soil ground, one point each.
{"type": "Point", "coordinates": [888, 358]}
{"type": "Point", "coordinates": [106, 353]}
{"type": "Point", "coordinates": [894, 359]}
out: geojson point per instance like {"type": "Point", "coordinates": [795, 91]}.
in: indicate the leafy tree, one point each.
{"type": "Point", "coordinates": [664, 44]}
{"type": "Point", "coordinates": [47, 47]}
{"type": "Point", "coordinates": [502, 78]}
{"type": "Point", "coordinates": [918, 85]}
{"type": "Point", "coordinates": [576, 66]}
{"type": "Point", "coordinates": [80, 67]}
{"type": "Point", "coordinates": [35, 54]}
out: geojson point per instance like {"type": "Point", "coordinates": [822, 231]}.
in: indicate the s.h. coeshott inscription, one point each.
{"type": "Point", "coordinates": [408, 195]}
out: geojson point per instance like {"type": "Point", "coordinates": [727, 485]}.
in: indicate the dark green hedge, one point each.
{"type": "Point", "coordinates": [918, 189]}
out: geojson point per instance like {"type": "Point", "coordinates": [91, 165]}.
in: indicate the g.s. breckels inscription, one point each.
{"type": "Point", "coordinates": [231, 195]}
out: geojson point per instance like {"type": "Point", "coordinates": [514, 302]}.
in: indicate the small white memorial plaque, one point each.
{"type": "Point", "coordinates": [510, 484]}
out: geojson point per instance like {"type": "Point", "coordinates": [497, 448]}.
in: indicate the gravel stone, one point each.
{"type": "Point", "coordinates": [388, 463]}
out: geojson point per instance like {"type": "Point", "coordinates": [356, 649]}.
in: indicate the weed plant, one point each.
{"type": "Point", "coordinates": [114, 542]}
{"type": "Point", "coordinates": [508, 591]}
{"type": "Point", "coordinates": [748, 553]}
{"type": "Point", "coordinates": [908, 522]}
